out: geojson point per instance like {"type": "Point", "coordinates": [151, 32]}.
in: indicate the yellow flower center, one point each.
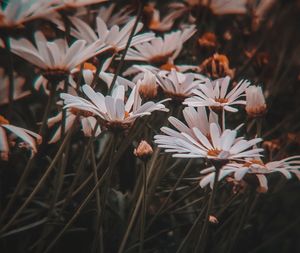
{"type": "Point", "coordinates": [254, 161]}
{"type": "Point", "coordinates": [126, 114]}
{"type": "Point", "coordinates": [168, 66]}
{"type": "Point", "coordinates": [213, 152]}
{"type": "Point", "coordinates": [221, 100]}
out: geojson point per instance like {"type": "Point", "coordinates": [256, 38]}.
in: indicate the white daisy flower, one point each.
{"type": "Point", "coordinates": [217, 146]}
{"type": "Point", "coordinates": [216, 96]}
{"type": "Point", "coordinates": [179, 85]}
{"type": "Point", "coordinates": [108, 78]}
{"type": "Point", "coordinates": [112, 110]}
{"type": "Point", "coordinates": [161, 50]}
{"type": "Point", "coordinates": [14, 13]}
{"type": "Point", "coordinates": [118, 18]}
{"type": "Point", "coordinates": [29, 137]}
{"type": "Point", "coordinates": [137, 70]}
{"type": "Point", "coordinates": [156, 23]}
{"type": "Point", "coordinates": [257, 167]}
{"type": "Point", "coordinates": [210, 172]}
{"type": "Point", "coordinates": [87, 121]}
{"type": "Point", "coordinates": [115, 38]}
{"type": "Point", "coordinates": [56, 59]}
{"type": "Point", "coordinates": [255, 101]}
{"type": "Point", "coordinates": [18, 91]}
{"type": "Point", "coordinates": [194, 118]}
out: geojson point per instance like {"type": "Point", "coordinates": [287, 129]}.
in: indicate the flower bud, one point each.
{"type": "Point", "coordinates": [147, 86]}
{"type": "Point", "coordinates": [143, 150]}
{"type": "Point", "coordinates": [255, 101]}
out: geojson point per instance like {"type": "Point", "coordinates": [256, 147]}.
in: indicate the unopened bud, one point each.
{"type": "Point", "coordinates": [143, 150]}
{"type": "Point", "coordinates": [4, 156]}
{"type": "Point", "coordinates": [147, 86]}
{"type": "Point", "coordinates": [213, 219]}
{"type": "Point", "coordinates": [255, 102]}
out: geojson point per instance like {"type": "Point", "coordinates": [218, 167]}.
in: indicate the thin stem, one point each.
{"type": "Point", "coordinates": [10, 76]}
{"type": "Point", "coordinates": [203, 233]}
{"type": "Point", "coordinates": [137, 204]}
{"type": "Point", "coordinates": [98, 205]}
{"type": "Point", "coordinates": [223, 119]}
{"type": "Point", "coordinates": [170, 194]}
{"type": "Point", "coordinates": [47, 110]}
{"type": "Point", "coordinates": [144, 207]}
{"type": "Point", "coordinates": [79, 168]}
{"type": "Point", "coordinates": [78, 211]}
{"type": "Point", "coordinates": [18, 188]}
{"type": "Point", "coordinates": [39, 184]}
{"type": "Point", "coordinates": [120, 65]}
{"type": "Point", "coordinates": [123, 147]}
{"type": "Point", "coordinates": [259, 127]}
{"type": "Point", "coordinates": [189, 234]}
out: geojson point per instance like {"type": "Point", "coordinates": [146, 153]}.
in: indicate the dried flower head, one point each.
{"type": "Point", "coordinates": [217, 66]}
{"type": "Point", "coordinates": [271, 145]}
{"type": "Point", "coordinates": [143, 150]}
{"type": "Point", "coordinates": [208, 40]}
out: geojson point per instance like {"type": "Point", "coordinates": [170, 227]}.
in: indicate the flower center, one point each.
{"type": "Point", "coordinates": [55, 75]}
{"type": "Point", "coordinates": [213, 152]}
{"type": "Point", "coordinates": [82, 113]}
{"type": "Point", "coordinates": [3, 120]}
{"type": "Point", "coordinates": [160, 59]}
{"type": "Point", "coordinates": [221, 100]}
{"type": "Point", "coordinates": [252, 162]}
{"type": "Point", "coordinates": [88, 66]}
{"type": "Point", "coordinates": [256, 111]}
{"type": "Point", "coordinates": [168, 66]}
{"type": "Point", "coordinates": [126, 114]}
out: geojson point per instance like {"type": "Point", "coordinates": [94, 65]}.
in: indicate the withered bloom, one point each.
{"type": "Point", "coordinates": [217, 66]}
{"type": "Point", "coordinates": [208, 40]}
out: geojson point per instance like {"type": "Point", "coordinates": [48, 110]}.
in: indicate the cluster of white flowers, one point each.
{"type": "Point", "coordinates": [203, 136]}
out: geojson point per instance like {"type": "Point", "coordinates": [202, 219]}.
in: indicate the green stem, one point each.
{"type": "Point", "coordinates": [78, 211]}
{"type": "Point", "coordinates": [203, 234]}
{"type": "Point", "coordinates": [189, 234]}
{"type": "Point", "coordinates": [47, 110]}
{"type": "Point", "coordinates": [98, 206]}
{"type": "Point", "coordinates": [18, 188]}
{"type": "Point", "coordinates": [120, 65]}
{"type": "Point", "coordinates": [10, 76]}
{"type": "Point", "coordinates": [170, 194]}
